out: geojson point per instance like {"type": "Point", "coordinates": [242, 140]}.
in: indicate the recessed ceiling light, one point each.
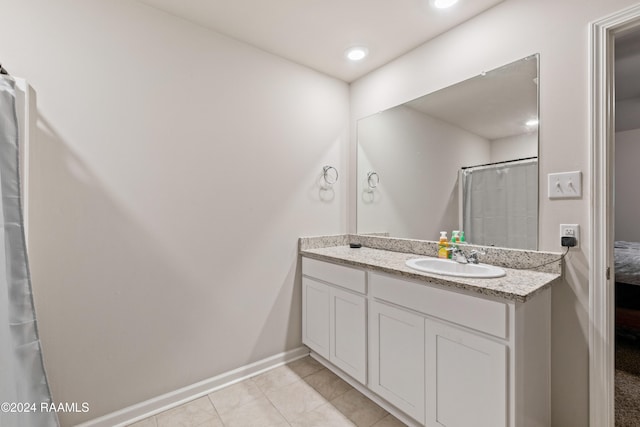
{"type": "Point", "coordinates": [443, 4]}
{"type": "Point", "coordinates": [356, 53]}
{"type": "Point", "coordinates": [532, 123]}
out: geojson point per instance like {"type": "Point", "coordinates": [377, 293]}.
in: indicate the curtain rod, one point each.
{"type": "Point", "coordinates": [500, 163]}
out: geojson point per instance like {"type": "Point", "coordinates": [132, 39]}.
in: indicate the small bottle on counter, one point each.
{"type": "Point", "coordinates": [443, 244]}
{"type": "Point", "coordinates": [455, 239]}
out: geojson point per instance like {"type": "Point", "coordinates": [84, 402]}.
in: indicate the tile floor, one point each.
{"type": "Point", "coordinates": [301, 394]}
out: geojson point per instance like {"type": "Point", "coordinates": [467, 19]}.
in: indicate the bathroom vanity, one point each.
{"type": "Point", "coordinates": [434, 350]}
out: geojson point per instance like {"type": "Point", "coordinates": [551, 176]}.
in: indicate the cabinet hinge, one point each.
{"type": "Point", "coordinates": [608, 273]}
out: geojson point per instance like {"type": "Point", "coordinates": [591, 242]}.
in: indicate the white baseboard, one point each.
{"type": "Point", "coordinates": [178, 397]}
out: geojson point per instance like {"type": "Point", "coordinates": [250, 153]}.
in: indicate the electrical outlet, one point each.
{"type": "Point", "coordinates": [570, 230]}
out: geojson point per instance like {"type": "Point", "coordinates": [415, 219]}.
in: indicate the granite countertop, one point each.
{"type": "Point", "coordinates": [518, 285]}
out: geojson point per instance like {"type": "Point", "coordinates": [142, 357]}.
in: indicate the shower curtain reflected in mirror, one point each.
{"type": "Point", "coordinates": [500, 204]}
{"type": "Point", "coordinates": [23, 383]}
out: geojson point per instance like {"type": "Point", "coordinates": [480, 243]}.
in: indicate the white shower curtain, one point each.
{"type": "Point", "coordinates": [24, 391]}
{"type": "Point", "coordinates": [500, 204]}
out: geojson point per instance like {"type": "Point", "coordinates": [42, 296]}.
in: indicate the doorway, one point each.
{"type": "Point", "coordinates": [602, 260]}
{"type": "Point", "coordinates": [626, 245]}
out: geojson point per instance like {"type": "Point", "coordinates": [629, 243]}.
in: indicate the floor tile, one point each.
{"type": "Point", "coordinates": [324, 416]}
{"type": "Point", "coordinates": [301, 394]}
{"type": "Point", "coordinates": [328, 384]}
{"type": "Point", "coordinates": [295, 399]}
{"type": "Point", "coordinates": [359, 409]}
{"type": "Point", "coordinates": [305, 366]}
{"type": "Point", "coordinates": [236, 395]}
{"type": "Point", "coordinates": [257, 413]}
{"type": "Point", "coordinates": [192, 414]}
{"type": "Point", "coordinates": [275, 379]}
{"type": "Point", "coordinates": [147, 422]}
{"type": "Point", "coordinates": [389, 421]}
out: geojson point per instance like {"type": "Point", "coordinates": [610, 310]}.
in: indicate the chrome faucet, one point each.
{"type": "Point", "coordinates": [473, 256]}
{"type": "Point", "coordinates": [460, 256]}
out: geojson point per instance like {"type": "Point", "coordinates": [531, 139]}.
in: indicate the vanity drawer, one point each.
{"type": "Point", "coordinates": [466, 310]}
{"type": "Point", "coordinates": [339, 275]}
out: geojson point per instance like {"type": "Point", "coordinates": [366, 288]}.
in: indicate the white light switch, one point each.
{"type": "Point", "coordinates": [565, 185]}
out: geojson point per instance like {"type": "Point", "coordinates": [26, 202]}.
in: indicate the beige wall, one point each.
{"type": "Point", "coordinates": [418, 192]}
{"type": "Point", "coordinates": [173, 171]}
{"type": "Point", "coordinates": [626, 191]}
{"type": "Point", "coordinates": [514, 147]}
{"type": "Point", "coordinates": [558, 30]}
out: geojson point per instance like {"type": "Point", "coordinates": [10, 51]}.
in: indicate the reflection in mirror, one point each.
{"type": "Point", "coordinates": [461, 158]}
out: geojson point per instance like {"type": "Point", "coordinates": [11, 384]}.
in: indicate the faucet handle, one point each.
{"type": "Point", "coordinates": [473, 256]}
{"type": "Point", "coordinates": [460, 256]}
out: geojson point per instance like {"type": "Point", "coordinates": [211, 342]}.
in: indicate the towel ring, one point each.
{"type": "Point", "coordinates": [330, 177]}
{"type": "Point", "coordinates": [373, 179]}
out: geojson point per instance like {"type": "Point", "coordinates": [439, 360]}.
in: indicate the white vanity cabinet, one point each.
{"type": "Point", "coordinates": [443, 367]}
{"type": "Point", "coordinates": [396, 357]}
{"type": "Point", "coordinates": [466, 378]}
{"type": "Point", "coordinates": [315, 316]}
{"type": "Point", "coordinates": [440, 356]}
{"type": "Point", "coordinates": [334, 315]}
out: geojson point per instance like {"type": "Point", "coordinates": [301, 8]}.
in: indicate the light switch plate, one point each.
{"type": "Point", "coordinates": [565, 185]}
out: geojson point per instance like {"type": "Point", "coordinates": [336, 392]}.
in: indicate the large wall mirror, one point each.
{"type": "Point", "coordinates": [462, 158]}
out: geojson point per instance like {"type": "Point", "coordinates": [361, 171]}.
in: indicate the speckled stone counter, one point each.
{"type": "Point", "coordinates": [518, 284]}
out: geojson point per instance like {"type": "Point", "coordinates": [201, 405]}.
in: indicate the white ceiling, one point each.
{"type": "Point", "coordinates": [494, 105]}
{"type": "Point", "coordinates": [316, 33]}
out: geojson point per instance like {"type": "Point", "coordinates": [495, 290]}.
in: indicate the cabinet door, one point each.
{"type": "Point", "coordinates": [466, 378]}
{"type": "Point", "coordinates": [348, 332]}
{"type": "Point", "coordinates": [396, 357]}
{"type": "Point", "coordinates": [315, 316]}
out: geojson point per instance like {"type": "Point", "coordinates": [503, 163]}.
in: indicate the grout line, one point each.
{"type": "Point", "coordinates": [277, 410]}
{"type": "Point", "coordinates": [262, 395]}
{"type": "Point", "coordinates": [215, 409]}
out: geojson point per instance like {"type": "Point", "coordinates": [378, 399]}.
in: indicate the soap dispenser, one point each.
{"type": "Point", "coordinates": [442, 245]}
{"type": "Point", "coordinates": [455, 239]}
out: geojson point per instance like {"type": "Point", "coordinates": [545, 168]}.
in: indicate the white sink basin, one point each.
{"type": "Point", "coordinates": [449, 267]}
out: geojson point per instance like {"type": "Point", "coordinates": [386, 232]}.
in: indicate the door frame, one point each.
{"type": "Point", "coordinates": [601, 287]}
